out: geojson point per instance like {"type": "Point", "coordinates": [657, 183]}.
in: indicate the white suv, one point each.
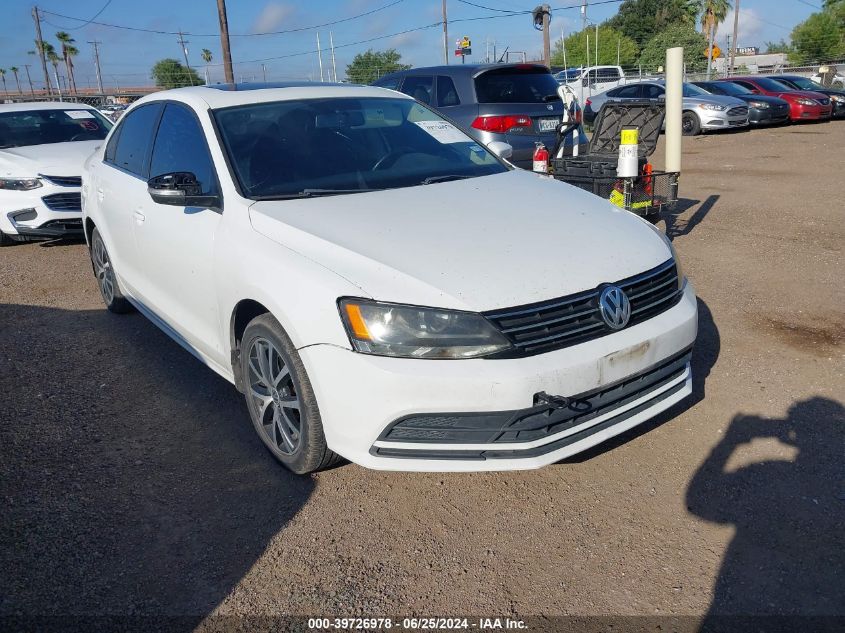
{"type": "Point", "coordinates": [380, 286]}
{"type": "Point", "coordinates": [42, 149]}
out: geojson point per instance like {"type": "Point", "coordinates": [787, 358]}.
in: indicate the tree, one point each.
{"type": "Point", "coordinates": [609, 39]}
{"type": "Point", "coordinates": [14, 70]}
{"type": "Point", "coordinates": [818, 39]}
{"type": "Point", "coordinates": [367, 67]}
{"type": "Point", "coordinates": [684, 34]}
{"type": "Point", "coordinates": [206, 57]}
{"type": "Point", "coordinates": [170, 73]}
{"type": "Point", "coordinates": [3, 77]}
{"type": "Point", "coordinates": [641, 20]}
{"type": "Point", "coordinates": [68, 51]}
{"type": "Point", "coordinates": [779, 47]}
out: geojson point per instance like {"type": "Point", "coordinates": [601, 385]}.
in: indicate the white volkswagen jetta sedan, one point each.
{"type": "Point", "coordinates": [381, 287]}
{"type": "Point", "coordinates": [42, 149]}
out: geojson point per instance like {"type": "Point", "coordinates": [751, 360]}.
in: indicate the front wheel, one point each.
{"type": "Point", "coordinates": [106, 279]}
{"type": "Point", "coordinates": [690, 125]}
{"type": "Point", "coordinates": [280, 400]}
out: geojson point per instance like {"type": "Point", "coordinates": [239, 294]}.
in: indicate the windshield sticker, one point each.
{"type": "Point", "coordinates": [79, 114]}
{"type": "Point", "coordinates": [443, 131]}
{"type": "Point", "coordinates": [475, 147]}
{"type": "Point", "coordinates": [90, 125]}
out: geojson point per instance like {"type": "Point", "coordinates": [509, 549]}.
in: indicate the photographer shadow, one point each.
{"type": "Point", "coordinates": [787, 556]}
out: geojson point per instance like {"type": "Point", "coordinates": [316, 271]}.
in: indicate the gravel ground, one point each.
{"type": "Point", "coordinates": [132, 482]}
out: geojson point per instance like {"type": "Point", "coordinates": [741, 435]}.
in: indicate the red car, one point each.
{"type": "Point", "coordinates": [804, 105]}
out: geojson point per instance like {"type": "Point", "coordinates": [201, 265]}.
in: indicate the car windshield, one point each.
{"type": "Point", "coordinates": [802, 83]}
{"type": "Point", "coordinates": [304, 148]}
{"type": "Point", "coordinates": [568, 74]}
{"type": "Point", "coordinates": [732, 89]}
{"type": "Point", "coordinates": [771, 85]}
{"type": "Point", "coordinates": [42, 127]}
{"type": "Point", "coordinates": [691, 90]}
{"type": "Point", "coordinates": [516, 85]}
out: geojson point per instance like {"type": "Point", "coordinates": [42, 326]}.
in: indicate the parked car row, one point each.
{"type": "Point", "coordinates": [735, 101]}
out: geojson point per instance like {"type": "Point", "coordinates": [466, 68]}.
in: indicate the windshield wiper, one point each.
{"type": "Point", "coordinates": [313, 193]}
{"type": "Point", "coordinates": [554, 97]}
{"type": "Point", "coordinates": [446, 178]}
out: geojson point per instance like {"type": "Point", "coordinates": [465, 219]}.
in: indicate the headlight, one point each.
{"type": "Point", "coordinates": [712, 106]}
{"type": "Point", "coordinates": [19, 184]}
{"type": "Point", "coordinates": [805, 101]}
{"type": "Point", "coordinates": [389, 329]}
{"type": "Point", "coordinates": [762, 105]}
{"type": "Point", "coordinates": [838, 98]}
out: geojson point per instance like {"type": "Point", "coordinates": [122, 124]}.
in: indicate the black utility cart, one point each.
{"type": "Point", "coordinates": [595, 171]}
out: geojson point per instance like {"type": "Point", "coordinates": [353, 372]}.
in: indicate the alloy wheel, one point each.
{"type": "Point", "coordinates": [273, 393]}
{"type": "Point", "coordinates": [103, 270]}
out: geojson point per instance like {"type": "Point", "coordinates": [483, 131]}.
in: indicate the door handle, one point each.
{"type": "Point", "coordinates": [139, 217]}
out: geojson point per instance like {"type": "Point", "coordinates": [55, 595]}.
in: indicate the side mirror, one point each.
{"type": "Point", "coordinates": [180, 189]}
{"type": "Point", "coordinates": [500, 149]}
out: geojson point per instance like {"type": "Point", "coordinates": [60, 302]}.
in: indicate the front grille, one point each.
{"type": "Point", "coordinates": [572, 422]}
{"type": "Point", "coordinates": [64, 181]}
{"type": "Point", "coordinates": [64, 202]}
{"type": "Point", "coordinates": [558, 323]}
{"type": "Point", "coordinates": [738, 111]}
{"type": "Point", "coordinates": [824, 102]}
{"type": "Point", "coordinates": [65, 225]}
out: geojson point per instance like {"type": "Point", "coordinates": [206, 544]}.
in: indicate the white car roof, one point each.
{"type": "Point", "coordinates": [42, 105]}
{"type": "Point", "coordinates": [226, 95]}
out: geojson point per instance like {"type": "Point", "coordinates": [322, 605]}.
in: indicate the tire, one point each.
{"type": "Point", "coordinates": [106, 279]}
{"type": "Point", "coordinates": [690, 125]}
{"type": "Point", "coordinates": [274, 377]}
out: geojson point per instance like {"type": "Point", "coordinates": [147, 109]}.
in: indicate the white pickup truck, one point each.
{"type": "Point", "coordinates": [591, 80]}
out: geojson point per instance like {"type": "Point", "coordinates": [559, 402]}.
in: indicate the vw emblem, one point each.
{"type": "Point", "coordinates": [614, 307]}
{"type": "Point", "coordinates": [550, 106]}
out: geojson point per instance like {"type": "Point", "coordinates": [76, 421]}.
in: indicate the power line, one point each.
{"type": "Point", "coordinates": [87, 22]}
{"type": "Point", "coordinates": [282, 32]}
{"type": "Point", "coordinates": [480, 6]}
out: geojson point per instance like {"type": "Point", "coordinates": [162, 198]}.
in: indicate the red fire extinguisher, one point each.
{"type": "Point", "coordinates": [541, 159]}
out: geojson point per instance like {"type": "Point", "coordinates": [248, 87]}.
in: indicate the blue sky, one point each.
{"type": "Point", "coordinates": [127, 56]}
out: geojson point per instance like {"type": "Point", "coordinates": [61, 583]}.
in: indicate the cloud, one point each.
{"type": "Point", "coordinates": [272, 16]}
{"type": "Point", "coordinates": [406, 40]}
{"type": "Point", "coordinates": [749, 29]}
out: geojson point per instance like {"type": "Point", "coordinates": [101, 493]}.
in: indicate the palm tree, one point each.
{"type": "Point", "coordinates": [3, 77]}
{"type": "Point", "coordinates": [53, 58]}
{"type": "Point", "coordinates": [206, 57]}
{"type": "Point", "coordinates": [15, 69]}
{"type": "Point", "coordinates": [67, 52]}
{"type": "Point", "coordinates": [713, 13]}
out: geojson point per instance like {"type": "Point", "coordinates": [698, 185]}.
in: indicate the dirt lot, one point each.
{"type": "Point", "coordinates": [132, 482]}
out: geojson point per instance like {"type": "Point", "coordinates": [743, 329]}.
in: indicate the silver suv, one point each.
{"type": "Point", "coordinates": [517, 104]}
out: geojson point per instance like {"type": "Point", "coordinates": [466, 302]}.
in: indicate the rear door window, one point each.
{"type": "Point", "coordinates": [446, 93]}
{"type": "Point", "coordinates": [134, 139]}
{"type": "Point", "coordinates": [650, 91]}
{"type": "Point", "coordinates": [608, 74]}
{"type": "Point", "coordinates": [627, 92]}
{"type": "Point", "coordinates": [516, 85]}
{"type": "Point", "coordinates": [420, 87]}
{"type": "Point", "coordinates": [391, 83]}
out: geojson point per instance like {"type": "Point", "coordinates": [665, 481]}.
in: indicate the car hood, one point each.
{"type": "Point", "coordinates": [719, 99]}
{"type": "Point", "coordinates": [55, 159]}
{"type": "Point", "coordinates": [476, 244]}
{"type": "Point", "coordinates": [762, 98]}
{"type": "Point", "coordinates": [793, 95]}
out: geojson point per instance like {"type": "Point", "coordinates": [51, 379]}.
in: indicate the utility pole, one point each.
{"type": "Point", "coordinates": [445, 36]}
{"type": "Point", "coordinates": [736, 28]}
{"type": "Point", "coordinates": [334, 66]}
{"type": "Point", "coordinates": [547, 45]}
{"type": "Point", "coordinates": [40, 42]}
{"type": "Point", "coordinates": [96, 44]}
{"type": "Point", "coordinates": [320, 56]}
{"type": "Point", "coordinates": [224, 41]}
{"type": "Point", "coordinates": [583, 14]}
{"type": "Point", "coordinates": [264, 72]}
{"type": "Point", "coordinates": [183, 43]}
{"type": "Point", "coordinates": [29, 79]}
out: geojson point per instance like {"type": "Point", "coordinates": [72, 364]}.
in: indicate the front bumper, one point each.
{"type": "Point", "coordinates": [361, 398]}
{"type": "Point", "coordinates": [809, 113]}
{"type": "Point", "coordinates": [713, 120]}
{"type": "Point", "coordinates": [768, 116]}
{"type": "Point", "coordinates": [49, 211]}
